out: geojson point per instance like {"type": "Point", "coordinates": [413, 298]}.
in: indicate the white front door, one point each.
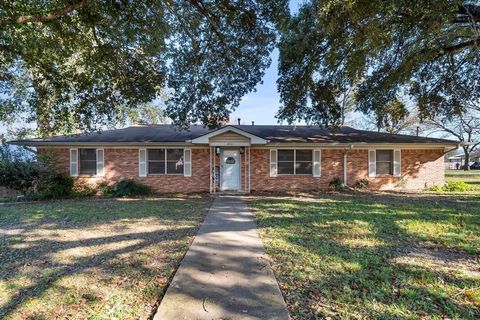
{"type": "Point", "coordinates": [230, 170]}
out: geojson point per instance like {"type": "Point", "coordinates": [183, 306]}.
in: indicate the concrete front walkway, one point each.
{"type": "Point", "coordinates": [225, 274]}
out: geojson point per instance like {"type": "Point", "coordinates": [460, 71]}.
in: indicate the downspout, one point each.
{"type": "Point", "coordinates": [345, 172]}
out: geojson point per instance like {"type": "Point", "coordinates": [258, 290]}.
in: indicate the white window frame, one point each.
{"type": "Point", "coordinates": [396, 163]}
{"type": "Point", "coordinates": [273, 163]}
{"type": "Point", "coordinates": [187, 162]}
{"type": "Point", "coordinates": [73, 162]}
{"type": "Point", "coordinates": [317, 165]}
{"type": "Point", "coordinates": [142, 164]}
{"type": "Point", "coordinates": [100, 163]}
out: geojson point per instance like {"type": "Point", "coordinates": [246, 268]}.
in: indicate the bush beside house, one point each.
{"type": "Point", "coordinates": [38, 178]}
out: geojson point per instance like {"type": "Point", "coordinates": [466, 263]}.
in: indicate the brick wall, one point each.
{"type": "Point", "coordinates": [123, 163]}
{"type": "Point", "coordinates": [420, 169]}
{"type": "Point", "coordinates": [332, 166]}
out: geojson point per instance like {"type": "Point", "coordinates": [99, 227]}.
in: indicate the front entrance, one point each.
{"type": "Point", "coordinates": [230, 170]}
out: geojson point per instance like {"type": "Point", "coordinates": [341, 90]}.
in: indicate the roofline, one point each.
{"type": "Point", "coordinates": [204, 138]}
{"type": "Point", "coordinates": [361, 145]}
{"type": "Point", "coordinates": [93, 143]}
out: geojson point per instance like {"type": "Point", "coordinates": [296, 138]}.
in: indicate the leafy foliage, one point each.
{"type": "Point", "coordinates": [54, 185]}
{"type": "Point", "coordinates": [457, 186]}
{"type": "Point", "coordinates": [125, 188]}
{"type": "Point", "coordinates": [17, 171]}
{"type": "Point", "coordinates": [37, 177]}
{"type": "Point", "coordinates": [337, 184]}
{"type": "Point", "coordinates": [81, 189]}
{"type": "Point", "coordinates": [361, 184]}
{"type": "Point", "coordinates": [385, 50]}
{"type": "Point", "coordinates": [70, 65]}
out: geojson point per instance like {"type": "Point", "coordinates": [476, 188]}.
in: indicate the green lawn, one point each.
{"type": "Point", "coordinates": [109, 259]}
{"type": "Point", "coordinates": [382, 256]}
{"type": "Point", "coordinates": [462, 172]}
{"type": "Point", "coordinates": [472, 181]}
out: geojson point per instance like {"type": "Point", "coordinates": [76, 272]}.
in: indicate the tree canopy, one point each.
{"type": "Point", "coordinates": [79, 64]}
{"type": "Point", "coordinates": [427, 50]}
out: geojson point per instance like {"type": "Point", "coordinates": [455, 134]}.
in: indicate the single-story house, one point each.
{"type": "Point", "coordinates": [249, 157]}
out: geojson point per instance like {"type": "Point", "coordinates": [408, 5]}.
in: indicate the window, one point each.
{"type": "Point", "coordinates": [174, 161]}
{"type": "Point", "coordinates": [156, 161]}
{"type": "Point", "coordinates": [384, 162]}
{"type": "Point", "coordinates": [88, 161]}
{"type": "Point", "coordinates": [303, 161]}
{"type": "Point", "coordinates": [294, 161]}
{"type": "Point", "coordinates": [165, 161]}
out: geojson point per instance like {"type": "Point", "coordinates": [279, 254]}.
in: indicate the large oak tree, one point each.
{"type": "Point", "coordinates": [427, 50]}
{"type": "Point", "coordinates": [73, 64]}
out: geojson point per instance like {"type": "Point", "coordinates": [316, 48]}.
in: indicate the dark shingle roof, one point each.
{"type": "Point", "coordinates": [274, 133]}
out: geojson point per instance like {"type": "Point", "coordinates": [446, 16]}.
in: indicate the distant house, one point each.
{"type": "Point", "coordinates": [249, 158]}
{"type": "Point", "coordinates": [451, 162]}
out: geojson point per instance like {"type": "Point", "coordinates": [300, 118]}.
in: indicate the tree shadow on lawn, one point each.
{"type": "Point", "coordinates": [153, 252]}
{"type": "Point", "coordinates": [336, 257]}
{"type": "Point", "coordinates": [73, 214]}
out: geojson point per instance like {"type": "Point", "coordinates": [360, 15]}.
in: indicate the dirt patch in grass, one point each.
{"type": "Point", "coordinates": [448, 261]}
{"type": "Point", "coordinates": [92, 259]}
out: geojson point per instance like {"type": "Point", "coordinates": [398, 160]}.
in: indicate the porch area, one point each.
{"type": "Point", "coordinates": [230, 159]}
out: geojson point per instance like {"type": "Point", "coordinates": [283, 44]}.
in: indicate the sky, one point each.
{"type": "Point", "coordinates": [262, 105]}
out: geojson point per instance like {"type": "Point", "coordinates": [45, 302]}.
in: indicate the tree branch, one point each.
{"type": "Point", "coordinates": [44, 17]}
{"type": "Point", "coordinates": [461, 45]}
{"type": "Point", "coordinates": [213, 26]}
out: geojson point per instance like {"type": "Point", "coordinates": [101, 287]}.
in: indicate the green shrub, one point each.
{"type": "Point", "coordinates": [81, 189]}
{"type": "Point", "coordinates": [54, 185]}
{"type": "Point", "coordinates": [17, 171]}
{"type": "Point", "coordinates": [361, 184]}
{"type": "Point", "coordinates": [337, 184]}
{"type": "Point", "coordinates": [459, 186]}
{"type": "Point", "coordinates": [125, 188]}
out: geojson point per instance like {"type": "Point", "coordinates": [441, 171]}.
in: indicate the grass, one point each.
{"type": "Point", "coordinates": [374, 256]}
{"type": "Point", "coordinates": [462, 173]}
{"type": "Point", "coordinates": [472, 181]}
{"type": "Point", "coordinates": [109, 259]}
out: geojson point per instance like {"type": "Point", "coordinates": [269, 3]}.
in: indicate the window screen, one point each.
{"type": "Point", "coordinates": [156, 161]}
{"type": "Point", "coordinates": [285, 161]}
{"type": "Point", "coordinates": [295, 161]}
{"type": "Point", "coordinates": [384, 162]}
{"type": "Point", "coordinates": [303, 162]}
{"type": "Point", "coordinates": [88, 161]}
{"type": "Point", "coordinates": [165, 161]}
{"type": "Point", "coordinates": [174, 161]}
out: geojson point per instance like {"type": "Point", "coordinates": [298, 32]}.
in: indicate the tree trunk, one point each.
{"type": "Point", "coordinates": [466, 165]}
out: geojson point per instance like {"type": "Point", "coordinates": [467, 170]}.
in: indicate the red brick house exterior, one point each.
{"type": "Point", "coordinates": [249, 158]}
